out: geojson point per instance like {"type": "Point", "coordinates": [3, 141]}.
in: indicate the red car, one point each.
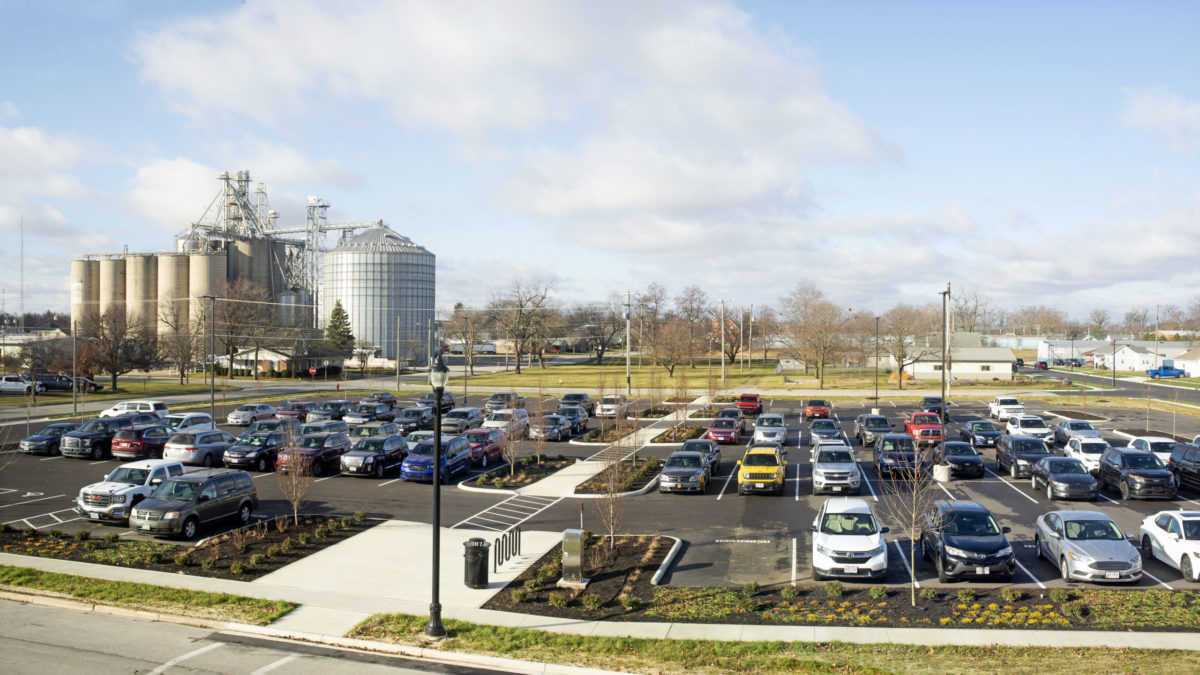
{"type": "Point", "coordinates": [486, 445]}
{"type": "Point", "coordinates": [724, 430]}
{"type": "Point", "coordinates": [750, 404]}
{"type": "Point", "coordinates": [144, 441]}
{"type": "Point", "coordinates": [816, 408]}
{"type": "Point", "coordinates": [734, 414]}
{"type": "Point", "coordinates": [294, 410]}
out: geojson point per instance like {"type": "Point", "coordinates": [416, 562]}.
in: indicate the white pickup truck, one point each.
{"type": "Point", "coordinates": [114, 497]}
{"type": "Point", "coordinates": [15, 384]}
{"type": "Point", "coordinates": [1004, 407]}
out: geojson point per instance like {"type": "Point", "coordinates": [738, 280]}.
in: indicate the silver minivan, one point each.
{"type": "Point", "coordinates": [203, 448]}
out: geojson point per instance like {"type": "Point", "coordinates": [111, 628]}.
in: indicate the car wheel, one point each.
{"type": "Point", "coordinates": [941, 569]}
{"type": "Point", "coordinates": [816, 575]}
{"type": "Point", "coordinates": [379, 469]}
{"type": "Point", "coordinates": [484, 462]}
{"type": "Point", "coordinates": [244, 514]}
{"type": "Point", "coordinates": [1037, 544]}
{"type": "Point", "coordinates": [208, 461]}
{"type": "Point", "coordinates": [318, 468]}
{"type": "Point", "coordinates": [1033, 482]}
{"type": "Point", "coordinates": [261, 464]}
{"type": "Point", "coordinates": [190, 527]}
{"type": "Point", "coordinates": [1012, 469]}
{"type": "Point", "coordinates": [1124, 490]}
{"type": "Point", "coordinates": [1049, 492]}
{"type": "Point", "coordinates": [97, 452]}
{"type": "Point", "coordinates": [1185, 568]}
{"type": "Point", "coordinates": [1064, 569]}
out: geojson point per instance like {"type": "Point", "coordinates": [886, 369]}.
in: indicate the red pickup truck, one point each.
{"type": "Point", "coordinates": [924, 427]}
{"type": "Point", "coordinates": [750, 404]}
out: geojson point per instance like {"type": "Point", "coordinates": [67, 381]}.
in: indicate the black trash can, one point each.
{"type": "Point", "coordinates": [475, 567]}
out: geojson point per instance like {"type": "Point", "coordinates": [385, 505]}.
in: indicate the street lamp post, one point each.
{"type": "Point", "coordinates": [876, 359]}
{"type": "Point", "coordinates": [438, 375]}
{"type": "Point", "coordinates": [212, 356]}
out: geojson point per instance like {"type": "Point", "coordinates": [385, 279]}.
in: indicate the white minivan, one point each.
{"type": "Point", "coordinates": [137, 406]}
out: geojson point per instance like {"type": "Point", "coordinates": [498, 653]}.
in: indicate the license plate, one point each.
{"type": "Point", "coordinates": [1112, 575]}
{"type": "Point", "coordinates": [852, 569]}
{"type": "Point", "coordinates": [837, 488]}
{"type": "Point", "coordinates": [145, 526]}
{"type": "Point", "coordinates": [760, 485]}
{"type": "Point", "coordinates": [982, 570]}
{"type": "Point", "coordinates": [95, 515]}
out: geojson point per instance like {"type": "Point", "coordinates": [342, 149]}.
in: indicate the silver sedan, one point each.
{"type": "Point", "coordinates": [1087, 546]}
{"type": "Point", "coordinates": [1065, 430]}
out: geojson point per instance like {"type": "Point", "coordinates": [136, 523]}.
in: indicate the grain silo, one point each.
{"type": "Point", "coordinates": [112, 283]}
{"type": "Point", "coordinates": [206, 276]}
{"type": "Point", "coordinates": [250, 259]}
{"type": "Point", "coordinates": [385, 283]}
{"type": "Point", "coordinates": [85, 289]}
{"type": "Point", "coordinates": [173, 292]}
{"type": "Point", "coordinates": [141, 289]}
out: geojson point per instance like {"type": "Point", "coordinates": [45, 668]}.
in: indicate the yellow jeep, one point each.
{"type": "Point", "coordinates": [762, 469]}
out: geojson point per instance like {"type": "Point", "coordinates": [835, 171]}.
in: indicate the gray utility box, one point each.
{"type": "Point", "coordinates": [572, 560]}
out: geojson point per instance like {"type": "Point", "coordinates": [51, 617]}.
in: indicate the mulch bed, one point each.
{"type": "Point", "coordinates": [633, 474]}
{"type": "Point", "coordinates": [607, 434]}
{"type": "Point", "coordinates": [679, 434]}
{"type": "Point", "coordinates": [623, 592]}
{"type": "Point", "coordinates": [654, 413]}
{"type": "Point", "coordinates": [526, 471]}
{"type": "Point", "coordinates": [263, 549]}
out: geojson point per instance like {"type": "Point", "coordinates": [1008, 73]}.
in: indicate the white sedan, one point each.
{"type": "Point", "coordinates": [1174, 538]}
{"type": "Point", "coordinates": [1160, 446]}
{"type": "Point", "coordinates": [250, 413]}
{"type": "Point", "coordinates": [1086, 450]}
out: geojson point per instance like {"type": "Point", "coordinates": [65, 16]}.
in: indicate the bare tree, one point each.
{"type": "Point", "coordinates": [517, 311]}
{"type": "Point", "coordinates": [364, 351]}
{"type": "Point", "coordinates": [898, 328]}
{"type": "Point", "coordinates": [600, 324]}
{"type": "Point", "coordinates": [814, 329]}
{"type": "Point", "coordinates": [263, 328]}
{"type": "Point", "coordinates": [294, 481]}
{"type": "Point", "coordinates": [1100, 319]}
{"type": "Point", "coordinates": [610, 507]}
{"type": "Point", "coordinates": [548, 325]}
{"type": "Point", "coordinates": [767, 327]}
{"type": "Point", "coordinates": [674, 344]}
{"type": "Point", "coordinates": [1137, 321]}
{"type": "Point", "coordinates": [240, 304]}
{"type": "Point", "coordinates": [116, 347]}
{"type": "Point", "coordinates": [969, 309]}
{"type": "Point", "coordinates": [693, 308]}
{"type": "Point", "coordinates": [180, 340]}
{"type": "Point", "coordinates": [906, 500]}
{"type": "Point", "coordinates": [649, 308]}
{"type": "Point", "coordinates": [465, 325]}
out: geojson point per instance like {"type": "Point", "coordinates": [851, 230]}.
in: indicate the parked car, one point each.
{"type": "Point", "coordinates": [1136, 473]}
{"type": "Point", "coordinates": [295, 410]}
{"type": "Point", "coordinates": [290, 428]}
{"type": "Point", "coordinates": [736, 415]}
{"type": "Point", "coordinates": [460, 419]}
{"type": "Point", "coordinates": [315, 453]}
{"type": "Point", "coordinates": [868, 427]}
{"type": "Point", "coordinates": [834, 470]}
{"type": "Point", "coordinates": [848, 541]}
{"type": "Point", "coordinates": [823, 429]}
{"type": "Point", "coordinates": [685, 471]}
{"type": "Point", "coordinates": [486, 445]}
{"type": "Point", "coordinates": [156, 408]}
{"type": "Point", "coordinates": [816, 408]}
{"type": "Point", "coordinates": [1086, 546]}
{"type": "Point", "coordinates": [576, 415]}
{"type": "Point", "coordinates": [1185, 464]}
{"type": "Point", "coordinates": [761, 469]}
{"type": "Point", "coordinates": [1065, 430]}
{"type": "Point", "coordinates": [551, 427]}
{"type": "Point", "coordinates": [112, 498]}
{"type": "Point", "coordinates": [1016, 455]}
{"type": "Point", "coordinates": [182, 422]}
{"type": "Point", "coordinates": [750, 404]}
{"type": "Point", "coordinates": [429, 400]}
{"type": "Point", "coordinates": [724, 430]}
{"type": "Point", "coordinates": [503, 401]}
{"type": "Point", "coordinates": [1064, 478]}
{"type": "Point", "coordinates": [362, 413]}
{"type": "Point", "coordinates": [614, 405]}
{"type": "Point", "coordinates": [979, 433]}
{"type": "Point", "coordinates": [418, 436]}
{"type": "Point", "coordinates": [895, 454]}
{"type": "Point", "coordinates": [709, 449]}
{"type": "Point", "coordinates": [1086, 450]}
{"type": "Point", "coordinates": [1029, 425]}
{"type": "Point", "coordinates": [326, 427]}
{"type": "Point", "coordinates": [328, 410]}
{"type": "Point", "coordinates": [375, 429]}
{"type": "Point", "coordinates": [937, 405]}
{"type": "Point", "coordinates": [258, 451]}
{"type": "Point", "coordinates": [204, 448]}
{"type": "Point", "coordinates": [581, 399]}
{"type": "Point", "coordinates": [181, 505]}
{"type": "Point", "coordinates": [925, 428]}
{"type": "Point", "coordinates": [456, 459]}
{"type": "Point", "coordinates": [51, 382]}
{"type": "Point", "coordinates": [1160, 446]}
{"type": "Point", "coordinates": [93, 438]}
{"type": "Point", "coordinates": [412, 419]}
{"type": "Point", "coordinates": [374, 456]}
{"type": "Point", "coordinates": [144, 441]}
{"type": "Point", "coordinates": [46, 440]}
{"type": "Point", "coordinates": [771, 427]}
{"type": "Point", "coordinates": [248, 413]}
{"type": "Point", "coordinates": [385, 397]}
{"type": "Point", "coordinates": [15, 384]}
{"type": "Point", "coordinates": [513, 422]}
{"type": "Point", "coordinates": [963, 458]}
{"type": "Point", "coordinates": [1173, 537]}
{"type": "Point", "coordinates": [1004, 407]}
{"type": "Point", "coordinates": [961, 539]}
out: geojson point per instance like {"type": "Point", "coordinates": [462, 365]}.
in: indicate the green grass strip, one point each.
{"type": "Point", "coordinates": [147, 597]}
{"type": "Point", "coordinates": [714, 656]}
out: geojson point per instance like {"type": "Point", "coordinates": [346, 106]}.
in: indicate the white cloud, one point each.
{"type": "Point", "coordinates": [9, 111]}
{"type": "Point", "coordinates": [35, 163]}
{"type": "Point", "coordinates": [172, 193]}
{"type": "Point", "coordinates": [1166, 113]}
{"type": "Point", "coordinates": [283, 164]}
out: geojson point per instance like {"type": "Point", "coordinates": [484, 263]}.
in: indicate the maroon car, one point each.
{"type": "Point", "coordinates": [294, 410]}
{"type": "Point", "coordinates": [486, 445]}
{"type": "Point", "coordinates": [315, 452]}
{"type": "Point", "coordinates": [144, 441]}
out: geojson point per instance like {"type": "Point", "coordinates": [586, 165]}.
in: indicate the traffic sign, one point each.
{"type": "Point", "coordinates": [312, 371]}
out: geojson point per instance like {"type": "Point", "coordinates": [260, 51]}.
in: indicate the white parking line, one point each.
{"type": "Point", "coordinates": [904, 559]}
{"type": "Point", "coordinates": [1160, 581]}
{"type": "Point", "coordinates": [394, 480]}
{"type": "Point", "coordinates": [797, 482]}
{"type": "Point", "coordinates": [179, 659]}
{"type": "Point", "coordinates": [336, 475]}
{"type": "Point", "coordinates": [275, 664]}
{"type": "Point", "coordinates": [30, 501]}
{"type": "Point", "coordinates": [1028, 573]}
{"type": "Point", "coordinates": [47, 459]}
{"type": "Point", "coordinates": [1014, 487]}
{"type": "Point", "coordinates": [103, 461]}
{"type": "Point", "coordinates": [726, 484]}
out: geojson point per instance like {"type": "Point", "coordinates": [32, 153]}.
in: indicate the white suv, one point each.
{"type": "Point", "coordinates": [613, 406]}
{"type": "Point", "coordinates": [138, 406]}
{"type": "Point", "coordinates": [848, 541]}
{"type": "Point", "coordinates": [1029, 425]}
{"type": "Point", "coordinates": [185, 422]}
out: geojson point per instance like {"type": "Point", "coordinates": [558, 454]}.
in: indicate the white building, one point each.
{"type": "Point", "coordinates": [967, 363]}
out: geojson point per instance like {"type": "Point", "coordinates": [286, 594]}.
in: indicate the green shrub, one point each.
{"type": "Point", "coordinates": [630, 603]}
{"type": "Point", "coordinates": [359, 516]}
{"type": "Point", "coordinates": [5, 527]}
{"type": "Point", "coordinates": [533, 585]}
{"type": "Point", "coordinates": [548, 571]}
{"type": "Point", "coordinates": [346, 522]}
{"type": "Point", "coordinates": [273, 551]}
{"type": "Point", "coordinates": [91, 545]}
{"type": "Point", "coordinates": [82, 535]}
{"type": "Point", "coordinates": [320, 533]}
{"type": "Point", "coordinates": [788, 592]}
{"type": "Point", "coordinates": [749, 604]}
{"type": "Point", "coordinates": [750, 590]}
{"type": "Point", "coordinates": [1075, 610]}
{"type": "Point", "coordinates": [591, 602]}
{"type": "Point", "coordinates": [183, 559]}
{"type": "Point", "coordinates": [304, 538]}
{"type": "Point", "coordinates": [112, 537]}
{"type": "Point", "coordinates": [57, 534]}
{"type": "Point", "coordinates": [1011, 594]}
{"type": "Point", "coordinates": [287, 544]}
{"type": "Point", "coordinates": [1060, 595]}
{"type": "Point", "coordinates": [518, 595]}
{"type": "Point", "coordinates": [878, 592]}
{"type": "Point", "coordinates": [928, 594]}
{"type": "Point", "coordinates": [966, 595]}
{"type": "Point", "coordinates": [209, 563]}
{"type": "Point", "coordinates": [558, 599]}
{"type": "Point", "coordinates": [332, 526]}
{"type": "Point", "coordinates": [31, 532]}
{"type": "Point", "coordinates": [834, 589]}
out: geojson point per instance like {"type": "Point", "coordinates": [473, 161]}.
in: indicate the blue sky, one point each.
{"type": "Point", "coordinates": [1043, 153]}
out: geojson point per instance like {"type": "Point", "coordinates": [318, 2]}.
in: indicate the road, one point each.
{"type": "Point", "coordinates": [35, 639]}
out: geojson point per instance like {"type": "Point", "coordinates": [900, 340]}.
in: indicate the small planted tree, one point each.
{"type": "Point", "coordinates": [906, 498]}
{"type": "Point", "coordinates": [294, 483]}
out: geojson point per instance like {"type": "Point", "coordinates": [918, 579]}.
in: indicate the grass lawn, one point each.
{"type": "Point", "coordinates": [146, 597]}
{"type": "Point", "coordinates": [715, 656]}
{"type": "Point", "coordinates": [126, 388]}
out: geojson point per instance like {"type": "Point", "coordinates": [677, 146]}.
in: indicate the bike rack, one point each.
{"type": "Point", "coordinates": [506, 547]}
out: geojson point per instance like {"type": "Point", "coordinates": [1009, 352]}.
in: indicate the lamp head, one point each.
{"type": "Point", "coordinates": [439, 374]}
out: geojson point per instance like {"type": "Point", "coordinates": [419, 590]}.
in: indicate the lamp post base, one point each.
{"type": "Point", "coordinates": [434, 630]}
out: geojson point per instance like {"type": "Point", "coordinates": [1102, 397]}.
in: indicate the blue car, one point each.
{"type": "Point", "coordinates": [980, 433]}
{"type": "Point", "coordinates": [456, 459]}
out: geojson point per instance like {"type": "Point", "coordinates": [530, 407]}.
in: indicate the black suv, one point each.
{"type": "Point", "coordinates": [1018, 454]}
{"type": "Point", "coordinates": [1184, 463]}
{"type": "Point", "coordinates": [962, 539]}
{"type": "Point", "coordinates": [895, 453]}
{"type": "Point", "coordinates": [257, 450]}
{"type": "Point", "coordinates": [935, 404]}
{"type": "Point", "coordinates": [429, 400]}
{"type": "Point", "coordinates": [1136, 473]}
{"type": "Point", "coordinates": [181, 504]}
{"type": "Point", "coordinates": [93, 440]}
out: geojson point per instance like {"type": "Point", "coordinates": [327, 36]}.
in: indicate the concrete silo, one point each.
{"type": "Point", "coordinates": [112, 283]}
{"type": "Point", "coordinates": [141, 289]}
{"type": "Point", "coordinates": [385, 283]}
{"type": "Point", "coordinates": [173, 292]}
{"type": "Point", "coordinates": [85, 289]}
{"type": "Point", "coordinates": [206, 276]}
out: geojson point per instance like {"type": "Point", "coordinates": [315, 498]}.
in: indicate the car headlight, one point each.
{"type": "Point", "coordinates": [1058, 483]}
{"type": "Point", "coordinates": [888, 460]}
{"type": "Point", "coordinates": [1135, 557]}
{"type": "Point", "coordinates": [1079, 557]}
{"type": "Point", "coordinates": [1021, 462]}
{"type": "Point", "coordinates": [957, 552]}
{"type": "Point", "coordinates": [824, 551]}
{"type": "Point", "coordinates": [170, 515]}
{"type": "Point", "coordinates": [746, 476]}
{"type": "Point", "coordinates": [876, 551]}
{"type": "Point", "coordinates": [1136, 479]}
{"type": "Point", "coordinates": [1005, 552]}
{"type": "Point", "coordinates": [118, 499]}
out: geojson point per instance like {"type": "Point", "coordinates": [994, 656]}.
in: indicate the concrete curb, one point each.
{"type": "Point", "coordinates": [636, 493]}
{"type": "Point", "coordinates": [667, 561]}
{"type": "Point", "coordinates": [491, 491]}
{"type": "Point", "coordinates": [33, 597]}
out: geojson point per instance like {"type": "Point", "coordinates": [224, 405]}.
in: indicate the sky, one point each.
{"type": "Point", "coordinates": [1040, 152]}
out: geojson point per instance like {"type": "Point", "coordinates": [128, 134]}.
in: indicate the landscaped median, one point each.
{"type": "Point", "coordinates": [145, 597]}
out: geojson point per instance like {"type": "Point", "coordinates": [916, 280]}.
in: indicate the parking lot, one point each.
{"type": "Point", "coordinates": [729, 539]}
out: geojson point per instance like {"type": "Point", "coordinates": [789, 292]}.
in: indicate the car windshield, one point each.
{"type": "Point", "coordinates": [573, 397]}
{"type": "Point", "coordinates": [1191, 530]}
{"type": "Point", "coordinates": [330, 407]}
{"type": "Point", "coordinates": [724, 424]}
{"type": "Point", "coordinates": [1073, 466]}
{"type": "Point", "coordinates": [835, 457]}
{"type": "Point", "coordinates": [94, 425]}
{"type": "Point", "coordinates": [731, 414]}
{"type": "Point", "coordinates": [770, 422]}
{"type": "Point", "coordinates": [849, 523]}
{"type": "Point", "coordinates": [182, 439]}
{"type": "Point", "coordinates": [695, 446]}
{"type": "Point", "coordinates": [552, 420]}
{"type": "Point", "coordinates": [1033, 423]}
{"type": "Point", "coordinates": [1162, 446]}
{"type": "Point", "coordinates": [53, 431]}
{"type": "Point", "coordinates": [364, 409]}
{"type": "Point", "coordinates": [1092, 448]}
{"type": "Point", "coordinates": [1143, 462]}
{"type": "Point", "coordinates": [878, 423]}
{"type": "Point", "coordinates": [933, 400]}
{"type": "Point", "coordinates": [310, 442]}
{"type": "Point", "coordinates": [971, 525]}
{"type": "Point", "coordinates": [499, 417]}
{"type": "Point", "coordinates": [173, 422]}
{"type": "Point", "coordinates": [980, 427]}
{"type": "Point", "coordinates": [184, 491]}
{"type": "Point", "coordinates": [298, 407]}
{"type": "Point", "coordinates": [265, 425]}
{"type": "Point", "coordinates": [499, 397]}
{"type": "Point", "coordinates": [1030, 448]}
{"type": "Point", "coordinates": [684, 462]}
{"type": "Point", "coordinates": [904, 445]}
{"type": "Point", "coordinates": [365, 431]}
{"type": "Point", "coordinates": [476, 436]}
{"type": "Point", "coordinates": [128, 475]}
{"type": "Point", "coordinates": [456, 414]}
{"type": "Point", "coordinates": [824, 425]}
{"type": "Point", "coordinates": [1092, 529]}
{"type": "Point", "coordinates": [570, 411]}
{"type": "Point", "coordinates": [761, 459]}
{"type": "Point", "coordinates": [1081, 426]}
{"type": "Point", "coordinates": [1009, 401]}
{"type": "Point", "coordinates": [816, 403]}
{"type": "Point", "coordinates": [609, 400]}
{"type": "Point", "coordinates": [422, 449]}
{"type": "Point", "coordinates": [369, 445]}
{"type": "Point", "coordinates": [126, 435]}
{"type": "Point", "coordinates": [258, 440]}
{"type": "Point", "coordinates": [956, 450]}
{"type": "Point", "coordinates": [410, 414]}
{"type": "Point", "coordinates": [248, 408]}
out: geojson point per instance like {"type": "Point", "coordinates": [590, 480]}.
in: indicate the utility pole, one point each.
{"type": "Point", "coordinates": [723, 301]}
{"type": "Point", "coordinates": [74, 368]}
{"type": "Point", "coordinates": [945, 350]}
{"type": "Point", "coordinates": [750, 339]}
{"type": "Point", "coordinates": [1157, 364]}
{"type": "Point", "coordinates": [741, 340]}
{"type": "Point", "coordinates": [212, 356]}
{"type": "Point", "coordinates": [397, 353]}
{"type": "Point", "coordinates": [876, 360]}
{"type": "Point", "coordinates": [628, 345]}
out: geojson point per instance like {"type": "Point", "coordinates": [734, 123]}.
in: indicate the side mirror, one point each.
{"type": "Point", "coordinates": [884, 530]}
{"type": "Point", "coordinates": [1172, 535]}
{"type": "Point", "coordinates": [739, 462]}
{"type": "Point", "coordinates": [1006, 529]}
{"type": "Point", "coordinates": [1129, 536]}
{"type": "Point", "coordinates": [202, 498]}
{"type": "Point", "coordinates": [812, 528]}
{"type": "Point", "coordinates": [156, 481]}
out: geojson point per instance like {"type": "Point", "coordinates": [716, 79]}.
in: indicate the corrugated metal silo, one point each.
{"type": "Point", "coordinates": [278, 265]}
{"type": "Point", "coordinates": [112, 283]}
{"type": "Point", "coordinates": [173, 291]}
{"type": "Point", "coordinates": [85, 289]}
{"type": "Point", "coordinates": [386, 285]}
{"type": "Point", "coordinates": [141, 289]}
{"type": "Point", "coordinates": [206, 274]}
